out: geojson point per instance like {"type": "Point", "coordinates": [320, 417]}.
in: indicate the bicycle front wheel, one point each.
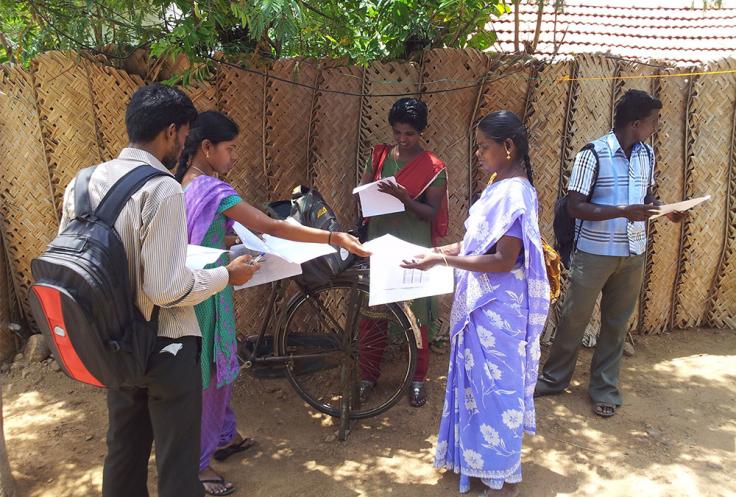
{"type": "Point", "coordinates": [336, 341]}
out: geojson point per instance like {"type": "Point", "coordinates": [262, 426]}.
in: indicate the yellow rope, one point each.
{"type": "Point", "coordinates": [649, 76]}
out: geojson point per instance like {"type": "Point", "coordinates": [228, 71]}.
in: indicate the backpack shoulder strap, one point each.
{"type": "Point", "coordinates": [82, 205]}
{"type": "Point", "coordinates": [115, 199]}
{"type": "Point", "coordinates": [650, 156]}
{"type": "Point", "coordinates": [591, 146]}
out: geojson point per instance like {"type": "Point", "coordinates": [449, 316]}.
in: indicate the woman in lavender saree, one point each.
{"type": "Point", "coordinates": [500, 307]}
{"type": "Point", "coordinates": [212, 207]}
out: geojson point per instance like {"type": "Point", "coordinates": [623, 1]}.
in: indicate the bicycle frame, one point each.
{"type": "Point", "coordinates": [278, 291]}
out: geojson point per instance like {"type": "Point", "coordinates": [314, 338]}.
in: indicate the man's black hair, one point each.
{"type": "Point", "coordinates": [153, 108]}
{"type": "Point", "coordinates": [409, 111]}
{"type": "Point", "coordinates": [634, 105]}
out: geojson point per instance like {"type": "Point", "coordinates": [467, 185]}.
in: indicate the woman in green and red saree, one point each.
{"type": "Point", "coordinates": [422, 188]}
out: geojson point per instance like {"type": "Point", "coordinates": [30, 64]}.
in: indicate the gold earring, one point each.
{"type": "Point", "coordinates": [508, 154]}
{"type": "Point", "coordinates": [207, 155]}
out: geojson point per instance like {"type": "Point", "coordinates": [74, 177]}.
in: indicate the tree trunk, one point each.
{"type": "Point", "coordinates": [7, 483]}
{"type": "Point", "coordinates": [538, 27]}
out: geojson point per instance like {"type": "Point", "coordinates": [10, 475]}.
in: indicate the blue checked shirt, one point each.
{"type": "Point", "coordinates": [620, 182]}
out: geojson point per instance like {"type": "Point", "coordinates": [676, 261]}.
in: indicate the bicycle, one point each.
{"type": "Point", "coordinates": [320, 343]}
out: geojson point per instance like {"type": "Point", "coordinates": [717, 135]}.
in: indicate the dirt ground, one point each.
{"type": "Point", "coordinates": [675, 435]}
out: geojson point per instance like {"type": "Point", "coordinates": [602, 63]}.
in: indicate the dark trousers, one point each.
{"type": "Point", "coordinates": [619, 280]}
{"type": "Point", "coordinates": [166, 408]}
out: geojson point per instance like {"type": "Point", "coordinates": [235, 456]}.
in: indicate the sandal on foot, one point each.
{"type": "Point", "coordinates": [417, 394]}
{"type": "Point", "coordinates": [604, 409]}
{"type": "Point", "coordinates": [225, 452]}
{"type": "Point", "coordinates": [225, 491]}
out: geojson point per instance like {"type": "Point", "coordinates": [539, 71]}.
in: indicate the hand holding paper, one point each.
{"type": "Point", "coordinates": [679, 206]}
{"type": "Point", "coordinates": [376, 203]}
{"type": "Point", "coordinates": [282, 258]}
{"type": "Point", "coordinates": [390, 282]}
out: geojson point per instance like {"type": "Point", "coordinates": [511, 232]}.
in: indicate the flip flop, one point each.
{"type": "Point", "coordinates": [604, 409]}
{"type": "Point", "coordinates": [221, 481]}
{"type": "Point", "coordinates": [225, 452]}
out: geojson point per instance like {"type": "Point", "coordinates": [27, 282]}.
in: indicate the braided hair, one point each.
{"type": "Point", "coordinates": [210, 125]}
{"type": "Point", "coordinates": [503, 125]}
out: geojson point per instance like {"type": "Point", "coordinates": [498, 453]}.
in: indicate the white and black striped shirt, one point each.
{"type": "Point", "coordinates": [152, 227]}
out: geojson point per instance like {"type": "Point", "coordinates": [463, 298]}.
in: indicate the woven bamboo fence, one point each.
{"type": "Point", "coordinates": [67, 112]}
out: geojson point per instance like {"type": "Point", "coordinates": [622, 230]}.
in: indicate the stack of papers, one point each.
{"type": "Point", "coordinates": [389, 282]}
{"type": "Point", "coordinates": [375, 203]}
{"type": "Point", "coordinates": [282, 258]}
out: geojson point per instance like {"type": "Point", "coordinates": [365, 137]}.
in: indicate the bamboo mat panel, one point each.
{"type": "Point", "coordinates": [710, 126]}
{"type": "Point", "coordinates": [111, 92]}
{"type": "Point", "coordinates": [68, 117]}
{"type": "Point", "coordinates": [335, 141]}
{"type": "Point", "coordinates": [722, 298]}
{"type": "Point", "coordinates": [546, 127]}
{"type": "Point", "coordinates": [29, 217]}
{"type": "Point", "coordinates": [203, 95]}
{"type": "Point", "coordinates": [288, 118]}
{"type": "Point", "coordinates": [664, 236]}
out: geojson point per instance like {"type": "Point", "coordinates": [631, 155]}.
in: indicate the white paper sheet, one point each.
{"type": "Point", "coordinates": [198, 257]}
{"type": "Point", "coordinates": [389, 282]}
{"type": "Point", "coordinates": [273, 268]}
{"type": "Point", "coordinates": [680, 206]}
{"type": "Point", "coordinates": [375, 203]}
{"type": "Point", "coordinates": [282, 258]}
{"type": "Point", "coordinates": [299, 252]}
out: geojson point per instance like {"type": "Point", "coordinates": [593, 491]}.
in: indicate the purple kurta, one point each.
{"type": "Point", "coordinates": [496, 322]}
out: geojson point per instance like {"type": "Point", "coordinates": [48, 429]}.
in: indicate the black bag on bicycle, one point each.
{"type": "Point", "coordinates": [309, 208]}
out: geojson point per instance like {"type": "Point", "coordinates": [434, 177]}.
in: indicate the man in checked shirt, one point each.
{"type": "Point", "coordinates": [166, 407]}
{"type": "Point", "coordinates": [612, 211]}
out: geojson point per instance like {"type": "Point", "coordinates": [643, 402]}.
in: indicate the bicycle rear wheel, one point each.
{"type": "Point", "coordinates": [326, 333]}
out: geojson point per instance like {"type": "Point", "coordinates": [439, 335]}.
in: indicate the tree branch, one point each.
{"type": "Point", "coordinates": [7, 46]}
{"type": "Point", "coordinates": [538, 27]}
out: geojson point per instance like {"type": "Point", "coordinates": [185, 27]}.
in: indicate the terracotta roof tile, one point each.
{"type": "Point", "coordinates": [662, 33]}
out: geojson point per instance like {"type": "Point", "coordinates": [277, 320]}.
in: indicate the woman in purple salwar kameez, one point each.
{"type": "Point", "coordinates": [500, 307]}
{"type": "Point", "coordinates": [212, 207]}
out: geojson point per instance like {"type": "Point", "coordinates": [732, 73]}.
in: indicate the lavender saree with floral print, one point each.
{"type": "Point", "coordinates": [496, 322]}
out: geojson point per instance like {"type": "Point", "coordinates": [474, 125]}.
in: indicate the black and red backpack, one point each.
{"type": "Point", "coordinates": [82, 299]}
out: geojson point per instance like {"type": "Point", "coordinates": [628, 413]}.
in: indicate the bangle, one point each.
{"type": "Point", "coordinates": [444, 258]}
{"type": "Point", "coordinates": [329, 238]}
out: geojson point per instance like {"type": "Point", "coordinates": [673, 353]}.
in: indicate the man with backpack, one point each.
{"type": "Point", "coordinates": [610, 195]}
{"type": "Point", "coordinates": [165, 404]}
